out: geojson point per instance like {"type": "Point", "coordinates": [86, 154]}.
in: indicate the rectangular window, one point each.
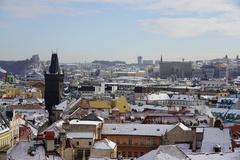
{"type": "Point", "coordinates": [142, 141]}
{"type": "Point", "coordinates": [130, 141]}
{"type": "Point", "coordinates": [80, 154]}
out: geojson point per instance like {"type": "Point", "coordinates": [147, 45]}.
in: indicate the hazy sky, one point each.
{"type": "Point", "coordinates": [85, 30]}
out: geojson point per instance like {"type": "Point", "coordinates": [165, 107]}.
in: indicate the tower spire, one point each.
{"type": "Point", "coordinates": [53, 87]}
{"type": "Point", "coordinates": [54, 66]}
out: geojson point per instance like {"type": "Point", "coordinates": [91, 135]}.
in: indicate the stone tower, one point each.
{"type": "Point", "coordinates": [53, 86]}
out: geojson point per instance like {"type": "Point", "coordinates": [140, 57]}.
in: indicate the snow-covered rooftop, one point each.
{"type": "Point", "coordinates": [20, 152]}
{"type": "Point", "coordinates": [165, 152]}
{"type": "Point", "coordinates": [216, 136]}
{"type": "Point", "coordinates": [182, 97]}
{"type": "Point", "coordinates": [104, 144]}
{"type": "Point", "coordinates": [183, 127]}
{"type": "Point", "coordinates": [136, 129]}
{"type": "Point", "coordinates": [79, 122]}
{"type": "Point", "coordinates": [217, 156]}
{"type": "Point", "coordinates": [56, 127]}
{"type": "Point", "coordinates": [80, 135]}
{"type": "Point", "coordinates": [2, 70]}
{"type": "Point", "coordinates": [208, 97]}
{"type": "Point", "coordinates": [141, 108]}
{"type": "Point", "coordinates": [62, 106]}
{"type": "Point", "coordinates": [39, 116]}
{"type": "Point", "coordinates": [225, 110]}
{"type": "Point", "coordinates": [157, 97]}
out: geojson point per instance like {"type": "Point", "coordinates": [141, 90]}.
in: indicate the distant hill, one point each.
{"type": "Point", "coordinates": [108, 63]}
{"type": "Point", "coordinates": [19, 67]}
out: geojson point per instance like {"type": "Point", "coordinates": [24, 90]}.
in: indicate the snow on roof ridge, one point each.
{"type": "Point", "coordinates": [2, 70]}
{"type": "Point", "coordinates": [104, 144]}
{"type": "Point", "coordinates": [62, 106]}
{"type": "Point", "coordinates": [136, 129]}
{"type": "Point", "coordinates": [181, 125]}
{"type": "Point", "coordinates": [159, 96]}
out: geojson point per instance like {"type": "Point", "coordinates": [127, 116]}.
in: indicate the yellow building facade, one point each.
{"type": "Point", "coordinates": [5, 135]}
{"type": "Point", "coordinates": [101, 104]}
{"type": "Point", "coordinates": [121, 104]}
{"type": "Point", "coordinates": [11, 92]}
{"type": "Point", "coordinates": [33, 93]}
{"type": "Point", "coordinates": [5, 140]}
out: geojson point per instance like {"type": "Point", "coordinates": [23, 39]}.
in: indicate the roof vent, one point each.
{"type": "Point", "coordinates": [158, 129]}
{"type": "Point", "coordinates": [114, 128]}
{"type": "Point", "coordinates": [134, 129]}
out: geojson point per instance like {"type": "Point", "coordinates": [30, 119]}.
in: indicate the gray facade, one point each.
{"type": "Point", "coordinates": [177, 69]}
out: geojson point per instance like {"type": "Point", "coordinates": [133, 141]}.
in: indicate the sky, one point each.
{"type": "Point", "coordinates": [87, 30]}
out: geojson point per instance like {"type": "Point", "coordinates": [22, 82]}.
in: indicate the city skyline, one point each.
{"type": "Point", "coordinates": [87, 30]}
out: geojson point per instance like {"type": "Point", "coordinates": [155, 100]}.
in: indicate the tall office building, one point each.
{"type": "Point", "coordinates": [176, 69]}
{"type": "Point", "coordinates": [139, 58]}
{"type": "Point", "coordinates": [53, 86]}
{"type": "Point", "coordinates": [148, 62]}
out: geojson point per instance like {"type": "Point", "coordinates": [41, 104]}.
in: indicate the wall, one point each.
{"type": "Point", "coordinates": [50, 146]}
{"type": "Point", "coordinates": [100, 153]}
{"type": "Point", "coordinates": [134, 146]}
{"type": "Point", "coordinates": [122, 104]}
{"type": "Point", "coordinates": [100, 104]}
{"type": "Point", "coordinates": [179, 69]}
{"type": "Point", "coordinates": [68, 154]}
{"type": "Point", "coordinates": [82, 143]}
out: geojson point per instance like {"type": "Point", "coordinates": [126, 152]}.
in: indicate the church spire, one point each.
{"type": "Point", "coordinates": [54, 66]}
